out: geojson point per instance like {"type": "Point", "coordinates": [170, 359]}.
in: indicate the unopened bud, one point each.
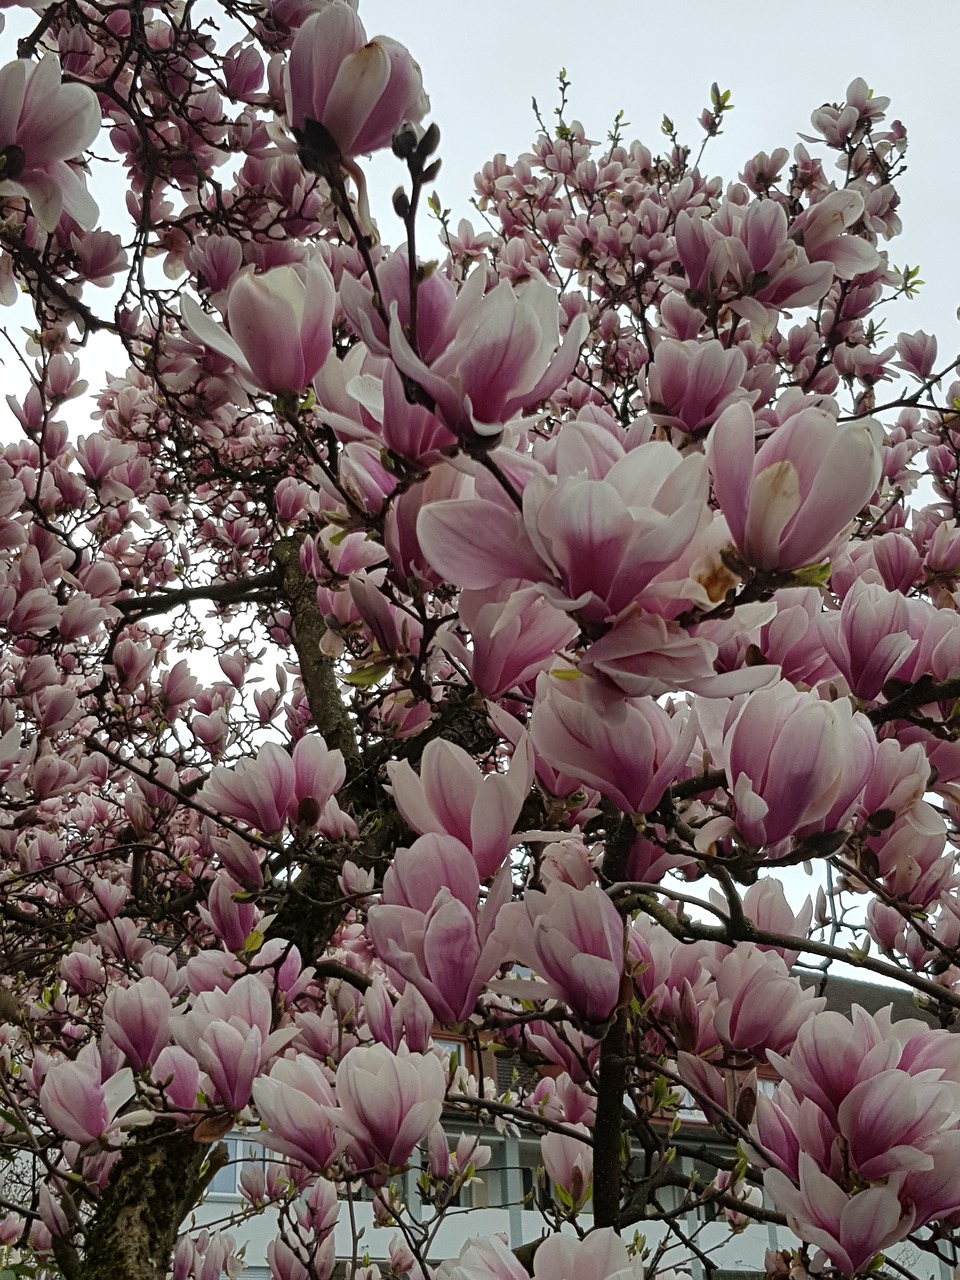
{"type": "Point", "coordinates": [404, 142]}
{"type": "Point", "coordinates": [401, 203]}
{"type": "Point", "coordinates": [429, 142]}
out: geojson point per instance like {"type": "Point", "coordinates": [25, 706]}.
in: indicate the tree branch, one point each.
{"type": "Point", "coordinates": [234, 592]}
{"type": "Point", "coordinates": [317, 671]}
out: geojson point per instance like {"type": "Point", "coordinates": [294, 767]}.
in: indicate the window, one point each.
{"type": "Point", "coordinates": [537, 1191]}
{"type": "Point", "coordinates": [226, 1181]}
{"type": "Point", "coordinates": [458, 1050]}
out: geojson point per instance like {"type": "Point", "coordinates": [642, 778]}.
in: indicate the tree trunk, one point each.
{"type": "Point", "coordinates": [152, 1188]}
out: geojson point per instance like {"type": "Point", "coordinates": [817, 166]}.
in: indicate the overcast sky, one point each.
{"type": "Point", "coordinates": [482, 63]}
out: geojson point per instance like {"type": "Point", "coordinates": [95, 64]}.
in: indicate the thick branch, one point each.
{"type": "Point", "coordinates": [153, 1187]}
{"type": "Point", "coordinates": [921, 694]}
{"type": "Point", "coordinates": [317, 671]}
{"type": "Point", "coordinates": [612, 1080]}
{"type": "Point", "coordinates": [233, 592]}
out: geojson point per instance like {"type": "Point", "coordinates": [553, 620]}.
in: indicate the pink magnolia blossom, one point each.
{"type": "Point", "coordinates": [484, 1258]}
{"type": "Point", "coordinates": [761, 1006]}
{"type": "Point", "coordinates": [730, 251]}
{"type": "Point", "coordinates": [410, 1019]}
{"type": "Point", "coordinates": [646, 655]}
{"type": "Point", "coordinates": [917, 352]}
{"type": "Point", "coordinates": [515, 634]}
{"type": "Point", "coordinates": [862, 1131]}
{"type": "Point", "coordinates": [360, 91]}
{"type": "Point", "coordinates": [408, 429]}
{"type": "Point", "coordinates": [285, 1262]}
{"type": "Point", "coordinates": [870, 638]}
{"type": "Point", "coordinates": [822, 230]}
{"type": "Point", "coordinates": [608, 539]}
{"type": "Point", "coordinates": [631, 751]}
{"type": "Point", "coordinates": [787, 506]}
{"type": "Point", "coordinates": [429, 933]}
{"type": "Point", "coordinates": [569, 1165]}
{"type": "Point", "coordinates": [177, 1075]}
{"type": "Point", "coordinates": [228, 1032]}
{"type": "Point", "coordinates": [79, 1104]}
{"type": "Point", "coordinates": [434, 861]}
{"type": "Point", "coordinates": [44, 124]}
{"type": "Point", "coordinates": [232, 1057]}
{"type": "Point", "coordinates": [796, 764]}
{"type": "Point", "coordinates": [452, 795]}
{"type": "Point", "coordinates": [276, 787]}
{"type": "Point", "coordinates": [297, 1104]}
{"type": "Point", "coordinates": [280, 326]}
{"type": "Point", "coordinates": [765, 905]}
{"type": "Point", "coordinates": [573, 938]}
{"type": "Point", "coordinates": [136, 1018]}
{"type": "Point", "coordinates": [595, 545]}
{"type": "Point", "coordinates": [601, 1255]}
{"type": "Point", "coordinates": [230, 917]}
{"type": "Point", "coordinates": [505, 355]}
{"type": "Point", "coordinates": [245, 1004]}
{"type": "Point", "coordinates": [436, 305]}
{"type": "Point", "coordinates": [850, 1230]}
{"type": "Point", "coordinates": [691, 383]}
{"type": "Point", "coordinates": [389, 1102]}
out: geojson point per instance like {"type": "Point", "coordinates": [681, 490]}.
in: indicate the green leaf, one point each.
{"type": "Point", "coordinates": [253, 942]}
{"type": "Point", "coordinates": [367, 677]}
{"type": "Point", "coordinates": [814, 575]}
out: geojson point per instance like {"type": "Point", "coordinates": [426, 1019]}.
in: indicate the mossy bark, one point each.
{"type": "Point", "coordinates": [153, 1187]}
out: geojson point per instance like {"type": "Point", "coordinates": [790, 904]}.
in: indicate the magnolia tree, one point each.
{"type": "Point", "coordinates": [462, 645]}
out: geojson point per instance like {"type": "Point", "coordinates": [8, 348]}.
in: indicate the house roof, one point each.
{"type": "Point", "coordinates": [843, 993]}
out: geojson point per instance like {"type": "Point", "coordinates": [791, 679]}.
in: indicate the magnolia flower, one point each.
{"type": "Point", "coordinates": [592, 544]}
{"type": "Point", "coordinates": [43, 124]}
{"type": "Point", "coordinates": [428, 930]}
{"type": "Point", "coordinates": [81, 1106]}
{"type": "Point", "coordinates": [787, 506]}
{"type": "Point", "coordinates": [630, 754]}
{"type": "Point", "coordinates": [277, 787]}
{"type": "Point", "coordinates": [795, 763]}
{"type": "Point", "coordinates": [689, 383]}
{"type": "Point", "coordinates": [280, 326]}
{"type": "Point", "coordinates": [136, 1019]}
{"type": "Point", "coordinates": [850, 1230]}
{"type": "Point", "coordinates": [297, 1105]}
{"type": "Point", "coordinates": [822, 230]}
{"type": "Point", "coordinates": [601, 1255]}
{"type": "Point", "coordinates": [569, 1165]}
{"type": "Point", "coordinates": [505, 355]}
{"type": "Point", "coordinates": [360, 92]}
{"type": "Point", "coordinates": [573, 938]}
{"type": "Point", "coordinates": [389, 1102]}
{"type": "Point", "coordinates": [452, 795]}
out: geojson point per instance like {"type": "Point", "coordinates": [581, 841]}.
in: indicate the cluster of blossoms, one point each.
{"type": "Point", "coordinates": [554, 597]}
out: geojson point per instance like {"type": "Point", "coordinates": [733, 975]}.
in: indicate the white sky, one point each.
{"type": "Point", "coordinates": [482, 65]}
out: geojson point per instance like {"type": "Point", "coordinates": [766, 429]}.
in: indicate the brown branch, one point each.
{"type": "Point", "coordinates": [240, 591]}
{"type": "Point", "coordinates": [317, 671]}
{"type": "Point", "coordinates": [612, 1071]}
{"type": "Point", "coordinates": [154, 1185]}
{"type": "Point", "coordinates": [920, 694]}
